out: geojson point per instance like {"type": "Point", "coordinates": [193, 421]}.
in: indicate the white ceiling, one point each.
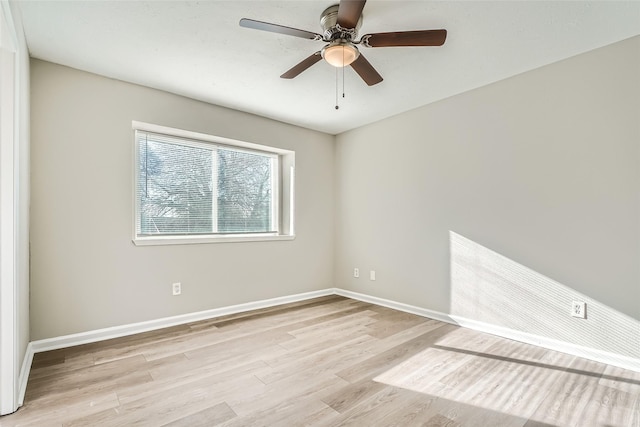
{"type": "Point", "coordinates": [197, 49]}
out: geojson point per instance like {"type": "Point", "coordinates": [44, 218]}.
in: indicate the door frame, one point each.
{"type": "Point", "coordinates": [8, 213]}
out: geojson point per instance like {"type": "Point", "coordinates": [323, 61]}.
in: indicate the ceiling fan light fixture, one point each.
{"type": "Point", "coordinates": [340, 54]}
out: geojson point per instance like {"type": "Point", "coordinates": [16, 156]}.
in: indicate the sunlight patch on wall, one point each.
{"type": "Point", "coordinates": [490, 288]}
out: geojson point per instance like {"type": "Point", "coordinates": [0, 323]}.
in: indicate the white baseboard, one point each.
{"type": "Point", "coordinates": [396, 305]}
{"type": "Point", "coordinates": [150, 325]}
{"type": "Point", "coordinates": [24, 373]}
{"type": "Point", "coordinates": [602, 356]}
{"type": "Point", "coordinates": [544, 342]}
{"type": "Point", "coordinates": [135, 328]}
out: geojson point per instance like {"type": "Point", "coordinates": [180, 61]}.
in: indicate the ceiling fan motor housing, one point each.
{"type": "Point", "coordinates": [330, 28]}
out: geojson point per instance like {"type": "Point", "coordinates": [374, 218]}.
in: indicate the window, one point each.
{"type": "Point", "coordinates": [196, 188]}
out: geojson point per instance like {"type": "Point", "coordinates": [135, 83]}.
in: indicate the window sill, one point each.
{"type": "Point", "coordinates": [194, 240]}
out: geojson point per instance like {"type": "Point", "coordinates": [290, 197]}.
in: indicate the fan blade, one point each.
{"type": "Point", "coordinates": [406, 38]}
{"type": "Point", "coordinates": [349, 12]}
{"type": "Point", "coordinates": [280, 29]}
{"type": "Point", "coordinates": [366, 71]}
{"type": "Point", "coordinates": [297, 69]}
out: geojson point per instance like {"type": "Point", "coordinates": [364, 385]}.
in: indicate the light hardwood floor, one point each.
{"type": "Point", "coordinates": [331, 361]}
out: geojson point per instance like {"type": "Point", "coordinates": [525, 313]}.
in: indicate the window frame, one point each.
{"type": "Point", "coordinates": [284, 197]}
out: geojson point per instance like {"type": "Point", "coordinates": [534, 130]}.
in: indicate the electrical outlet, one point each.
{"type": "Point", "coordinates": [356, 272]}
{"type": "Point", "coordinates": [176, 288]}
{"type": "Point", "coordinates": [578, 309]}
{"type": "Point", "coordinates": [372, 275]}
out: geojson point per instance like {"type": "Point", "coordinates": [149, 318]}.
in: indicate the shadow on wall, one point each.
{"type": "Point", "coordinates": [490, 288]}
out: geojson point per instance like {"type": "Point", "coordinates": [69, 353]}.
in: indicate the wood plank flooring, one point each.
{"type": "Point", "coordinates": [330, 361]}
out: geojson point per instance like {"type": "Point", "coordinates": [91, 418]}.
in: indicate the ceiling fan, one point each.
{"type": "Point", "coordinates": [340, 24]}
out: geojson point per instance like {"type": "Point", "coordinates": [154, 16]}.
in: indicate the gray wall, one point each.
{"type": "Point", "coordinates": [86, 272]}
{"type": "Point", "coordinates": [537, 173]}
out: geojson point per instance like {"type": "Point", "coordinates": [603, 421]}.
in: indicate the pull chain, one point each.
{"type": "Point", "coordinates": [337, 107]}
{"type": "Point", "coordinates": [343, 72]}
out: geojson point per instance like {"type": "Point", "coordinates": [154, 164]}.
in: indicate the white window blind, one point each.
{"type": "Point", "coordinates": [193, 188]}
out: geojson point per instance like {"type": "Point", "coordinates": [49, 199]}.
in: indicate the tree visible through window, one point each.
{"type": "Point", "coordinates": [244, 192]}
{"type": "Point", "coordinates": [190, 188]}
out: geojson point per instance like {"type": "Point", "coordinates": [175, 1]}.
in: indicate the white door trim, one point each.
{"type": "Point", "coordinates": [8, 214]}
